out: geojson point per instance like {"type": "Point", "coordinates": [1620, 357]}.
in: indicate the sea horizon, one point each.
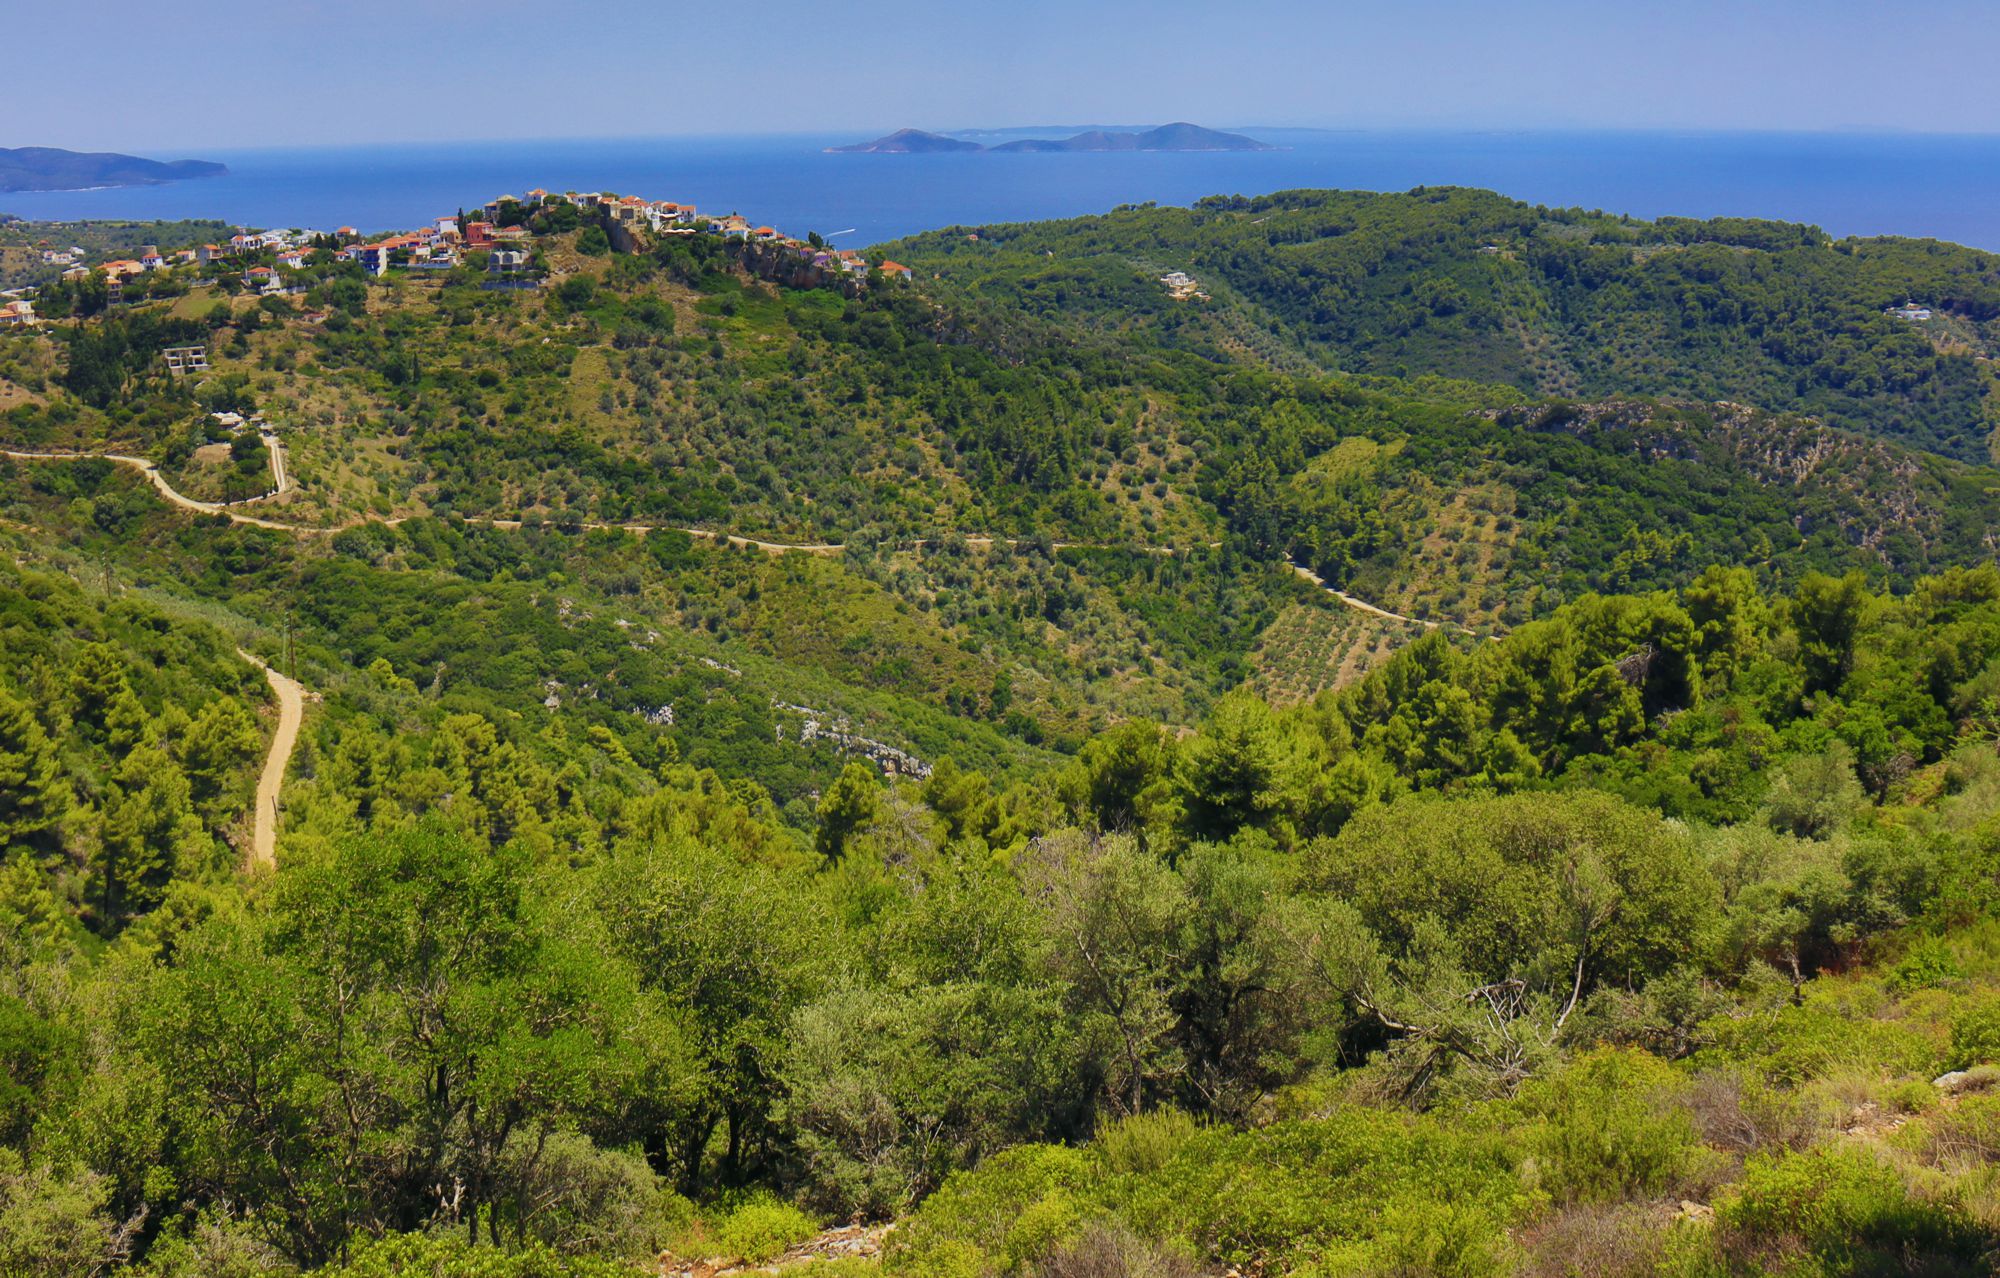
{"type": "Point", "coordinates": [1850, 183]}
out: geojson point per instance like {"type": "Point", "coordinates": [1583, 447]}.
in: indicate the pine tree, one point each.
{"type": "Point", "coordinates": [33, 795]}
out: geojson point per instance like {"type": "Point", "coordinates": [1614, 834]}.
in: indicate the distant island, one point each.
{"type": "Point", "coordinates": [1167, 137]}
{"type": "Point", "coordinates": [48, 168]}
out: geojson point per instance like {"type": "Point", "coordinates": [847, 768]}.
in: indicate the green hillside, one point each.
{"type": "Point", "coordinates": [1470, 285]}
{"type": "Point", "coordinates": [1106, 785]}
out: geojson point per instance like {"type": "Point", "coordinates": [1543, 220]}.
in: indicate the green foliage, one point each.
{"type": "Point", "coordinates": [1449, 282]}
{"type": "Point", "coordinates": [407, 1255]}
{"type": "Point", "coordinates": [1611, 1125]}
{"type": "Point", "coordinates": [1290, 1192]}
{"type": "Point", "coordinates": [874, 882]}
{"type": "Point", "coordinates": [1975, 1036]}
{"type": "Point", "coordinates": [850, 803]}
{"type": "Point", "coordinates": [32, 796]}
{"type": "Point", "coordinates": [54, 1226]}
{"type": "Point", "coordinates": [761, 1230]}
{"type": "Point", "coordinates": [1849, 1211]}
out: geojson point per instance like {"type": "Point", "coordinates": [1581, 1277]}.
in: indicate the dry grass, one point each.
{"type": "Point", "coordinates": [1107, 1251]}
{"type": "Point", "coordinates": [1741, 1115]}
{"type": "Point", "coordinates": [1625, 1240]}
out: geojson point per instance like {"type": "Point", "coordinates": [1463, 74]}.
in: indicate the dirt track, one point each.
{"type": "Point", "coordinates": [152, 473]}
{"type": "Point", "coordinates": [291, 712]}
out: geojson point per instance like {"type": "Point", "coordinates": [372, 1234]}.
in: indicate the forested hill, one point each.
{"type": "Point", "coordinates": [1470, 285]}
{"type": "Point", "coordinates": [46, 168]}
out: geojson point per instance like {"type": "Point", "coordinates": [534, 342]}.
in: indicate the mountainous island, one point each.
{"type": "Point", "coordinates": [44, 168]}
{"type": "Point", "coordinates": [1167, 137]}
{"type": "Point", "coordinates": [1326, 733]}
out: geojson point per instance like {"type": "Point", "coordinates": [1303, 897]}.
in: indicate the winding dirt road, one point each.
{"type": "Point", "coordinates": [151, 471]}
{"type": "Point", "coordinates": [283, 481]}
{"type": "Point", "coordinates": [291, 713]}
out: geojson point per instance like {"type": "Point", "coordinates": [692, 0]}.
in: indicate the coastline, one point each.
{"type": "Point", "coordinates": [108, 186]}
{"type": "Point", "coordinates": [1944, 187]}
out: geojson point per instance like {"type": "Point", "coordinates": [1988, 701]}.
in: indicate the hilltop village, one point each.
{"type": "Point", "coordinates": [500, 234]}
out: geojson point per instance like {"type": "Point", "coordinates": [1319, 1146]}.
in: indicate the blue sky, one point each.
{"type": "Point", "coordinates": [171, 80]}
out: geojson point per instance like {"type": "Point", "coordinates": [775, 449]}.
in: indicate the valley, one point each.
{"type": "Point", "coordinates": [1402, 758]}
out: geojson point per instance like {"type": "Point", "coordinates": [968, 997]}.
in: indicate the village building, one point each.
{"type": "Point", "coordinates": [372, 258]}
{"type": "Point", "coordinates": [182, 360]}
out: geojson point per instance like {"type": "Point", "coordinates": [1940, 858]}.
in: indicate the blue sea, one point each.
{"type": "Point", "coordinates": [1944, 186]}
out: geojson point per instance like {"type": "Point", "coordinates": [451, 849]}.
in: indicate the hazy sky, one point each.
{"type": "Point", "coordinates": [171, 80]}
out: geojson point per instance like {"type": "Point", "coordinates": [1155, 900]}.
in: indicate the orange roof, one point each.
{"type": "Point", "coordinates": [888, 265]}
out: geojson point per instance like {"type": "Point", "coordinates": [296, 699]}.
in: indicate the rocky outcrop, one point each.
{"type": "Point", "coordinates": [822, 725]}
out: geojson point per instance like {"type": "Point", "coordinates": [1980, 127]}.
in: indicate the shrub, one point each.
{"type": "Point", "coordinates": [1975, 1036]}
{"type": "Point", "coordinates": [1417, 1240]}
{"type": "Point", "coordinates": [1621, 1241]}
{"type": "Point", "coordinates": [450, 1256]}
{"type": "Point", "coordinates": [1967, 1133]}
{"type": "Point", "coordinates": [1847, 1208]}
{"type": "Point", "coordinates": [1144, 1143]}
{"type": "Point", "coordinates": [763, 1229]}
{"type": "Point", "coordinates": [1361, 1192]}
{"type": "Point", "coordinates": [1736, 1111]}
{"type": "Point", "coordinates": [1106, 1251]}
{"type": "Point", "coordinates": [1798, 1044]}
{"type": "Point", "coordinates": [1611, 1125]}
{"type": "Point", "coordinates": [1929, 963]}
{"type": "Point", "coordinates": [972, 1216]}
{"type": "Point", "coordinates": [589, 1200]}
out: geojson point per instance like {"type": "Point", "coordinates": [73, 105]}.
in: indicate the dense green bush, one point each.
{"type": "Point", "coordinates": [1609, 1126]}
{"type": "Point", "coordinates": [449, 1256]}
{"type": "Point", "coordinates": [1848, 1211]}
{"type": "Point", "coordinates": [762, 1229]}
{"type": "Point", "coordinates": [1975, 1036]}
